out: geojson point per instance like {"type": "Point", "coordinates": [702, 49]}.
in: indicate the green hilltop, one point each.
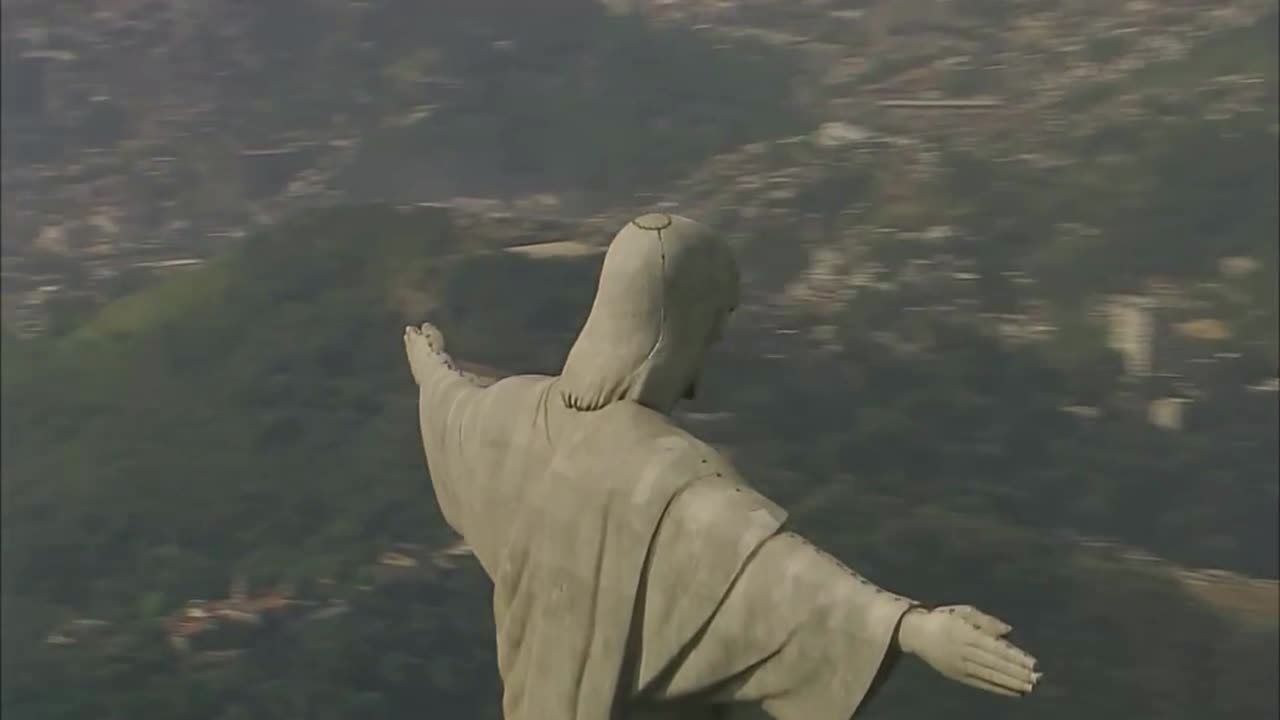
{"type": "Point", "coordinates": [256, 419]}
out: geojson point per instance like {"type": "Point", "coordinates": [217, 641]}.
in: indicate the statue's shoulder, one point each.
{"type": "Point", "coordinates": [636, 424]}
{"type": "Point", "coordinates": [654, 436]}
{"type": "Point", "coordinates": [514, 396]}
{"type": "Point", "coordinates": [521, 383]}
{"type": "Point", "coordinates": [648, 458]}
{"type": "Point", "coordinates": [626, 439]}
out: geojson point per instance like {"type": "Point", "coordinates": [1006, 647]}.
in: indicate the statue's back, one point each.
{"type": "Point", "coordinates": [561, 507]}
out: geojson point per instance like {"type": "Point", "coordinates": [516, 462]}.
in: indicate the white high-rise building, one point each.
{"type": "Point", "coordinates": [1131, 332]}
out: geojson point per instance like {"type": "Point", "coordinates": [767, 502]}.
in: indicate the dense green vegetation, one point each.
{"type": "Point", "coordinates": [558, 96]}
{"type": "Point", "coordinates": [387, 101]}
{"type": "Point", "coordinates": [255, 418]}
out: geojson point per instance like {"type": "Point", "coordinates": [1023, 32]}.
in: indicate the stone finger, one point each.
{"type": "Point", "coordinates": [981, 684]}
{"type": "Point", "coordinates": [1013, 670]}
{"type": "Point", "coordinates": [983, 621]}
{"type": "Point", "coordinates": [1003, 649]}
{"type": "Point", "coordinates": [995, 677]}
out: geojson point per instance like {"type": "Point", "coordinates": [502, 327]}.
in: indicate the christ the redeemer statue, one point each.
{"type": "Point", "coordinates": [635, 573]}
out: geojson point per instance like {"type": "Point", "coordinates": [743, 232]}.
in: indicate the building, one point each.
{"type": "Point", "coordinates": [1131, 331]}
{"type": "Point", "coordinates": [397, 559]}
{"type": "Point", "coordinates": [1168, 413]}
{"type": "Point", "coordinates": [230, 623]}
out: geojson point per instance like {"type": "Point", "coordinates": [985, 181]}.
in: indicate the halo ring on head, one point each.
{"type": "Point", "coordinates": [653, 221]}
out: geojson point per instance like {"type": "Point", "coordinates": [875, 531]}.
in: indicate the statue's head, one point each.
{"type": "Point", "coordinates": [666, 290]}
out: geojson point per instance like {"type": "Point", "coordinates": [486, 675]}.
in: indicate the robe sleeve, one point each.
{"type": "Point", "coordinates": [446, 395]}
{"type": "Point", "coordinates": [817, 636]}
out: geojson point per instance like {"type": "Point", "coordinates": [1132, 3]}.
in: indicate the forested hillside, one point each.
{"type": "Point", "coordinates": [1008, 334]}
{"type": "Point", "coordinates": [256, 420]}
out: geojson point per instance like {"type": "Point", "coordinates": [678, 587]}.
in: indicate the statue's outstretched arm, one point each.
{"type": "Point", "coordinates": [798, 632]}
{"type": "Point", "coordinates": [813, 639]}
{"type": "Point", "coordinates": [959, 641]}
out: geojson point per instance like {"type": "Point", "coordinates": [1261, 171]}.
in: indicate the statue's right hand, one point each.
{"type": "Point", "coordinates": [422, 345]}
{"type": "Point", "coordinates": [965, 645]}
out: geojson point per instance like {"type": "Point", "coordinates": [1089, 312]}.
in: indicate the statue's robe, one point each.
{"type": "Point", "coordinates": [635, 573]}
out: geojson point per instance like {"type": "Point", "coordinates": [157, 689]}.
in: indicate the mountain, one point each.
{"type": "Point", "coordinates": [188, 124]}
{"type": "Point", "coordinates": [254, 419]}
{"type": "Point", "coordinates": [1008, 333]}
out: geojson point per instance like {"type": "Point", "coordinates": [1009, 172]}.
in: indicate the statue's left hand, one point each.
{"type": "Point", "coordinates": [422, 345]}
{"type": "Point", "coordinates": [967, 645]}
